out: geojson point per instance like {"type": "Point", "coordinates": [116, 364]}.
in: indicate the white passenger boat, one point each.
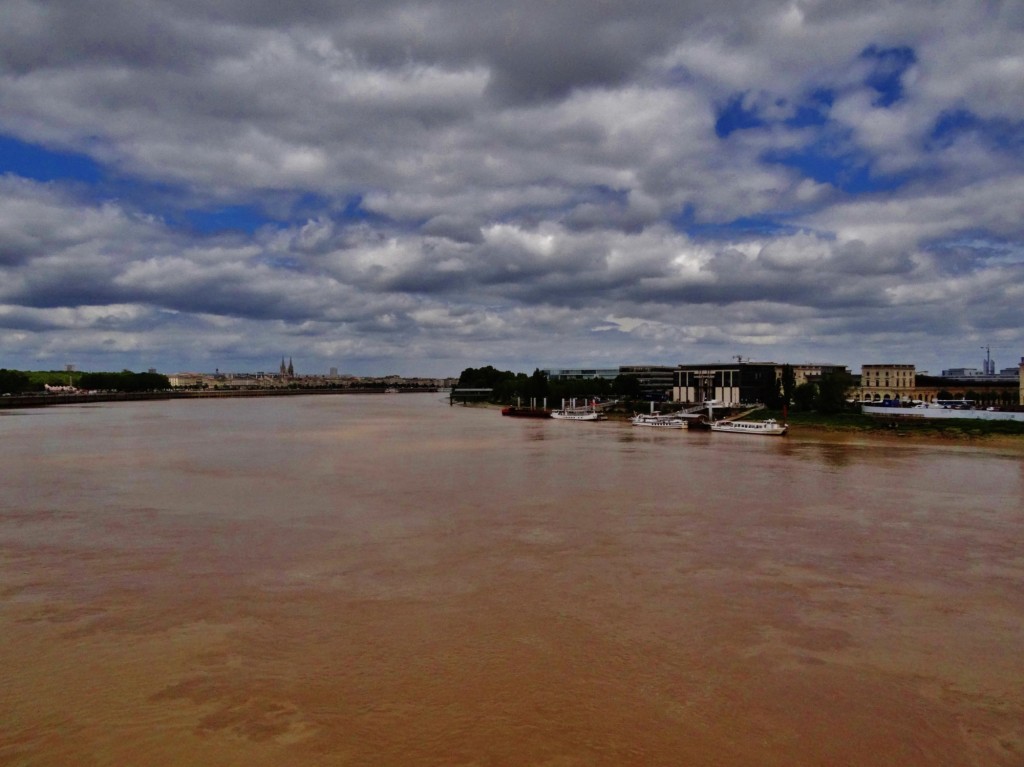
{"type": "Point", "coordinates": [573, 413]}
{"type": "Point", "coordinates": [767, 428]}
{"type": "Point", "coordinates": [658, 420]}
{"type": "Point", "coordinates": [577, 414]}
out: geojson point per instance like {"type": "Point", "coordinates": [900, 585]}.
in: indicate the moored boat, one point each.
{"type": "Point", "coordinates": [766, 428]}
{"type": "Point", "coordinates": [574, 413]}
{"type": "Point", "coordinates": [577, 414]}
{"type": "Point", "coordinates": [658, 420]}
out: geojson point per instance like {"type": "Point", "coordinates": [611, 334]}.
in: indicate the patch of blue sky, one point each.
{"type": "Point", "coordinates": [738, 113]}
{"type": "Point", "coordinates": [813, 111]}
{"type": "Point", "coordinates": [997, 134]}
{"type": "Point", "coordinates": [342, 210]}
{"type": "Point", "coordinates": [230, 218]}
{"type": "Point", "coordinates": [38, 163]}
{"type": "Point", "coordinates": [982, 246]}
{"type": "Point", "coordinates": [888, 65]}
{"type": "Point", "coordinates": [247, 218]}
{"type": "Point", "coordinates": [743, 227]}
{"type": "Point", "coordinates": [849, 172]}
{"type": "Point", "coordinates": [354, 210]}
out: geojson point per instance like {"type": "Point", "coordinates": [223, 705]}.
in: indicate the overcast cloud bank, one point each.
{"type": "Point", "coordinates": [411, 187]}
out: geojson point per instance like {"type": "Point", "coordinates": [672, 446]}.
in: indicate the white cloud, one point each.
{"type": "Point", "coordinates": [544, 184]}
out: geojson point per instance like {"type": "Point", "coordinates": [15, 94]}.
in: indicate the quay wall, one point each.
{"type": "Point", "coordinates": [944, 413]}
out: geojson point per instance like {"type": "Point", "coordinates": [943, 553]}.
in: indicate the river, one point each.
{"type": "Point", "coordinates": [387, 580]}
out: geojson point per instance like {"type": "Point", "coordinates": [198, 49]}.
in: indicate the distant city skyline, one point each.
{"type": "Point", "coordinates": [416, 188]}
{"type": "Point", "coordinates": [336, 370]}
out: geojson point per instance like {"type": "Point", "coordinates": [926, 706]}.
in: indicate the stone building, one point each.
{"type": "Point", "coordinates": [887, 382]}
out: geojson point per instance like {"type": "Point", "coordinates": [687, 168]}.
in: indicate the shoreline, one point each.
{"type": "Point", "coordinates": [31, 401]}
{"type": "Point", "coordinates": [932, 431]}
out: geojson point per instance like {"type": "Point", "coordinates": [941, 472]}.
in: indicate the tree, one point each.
{"type": "Point", "coordinates": [788, 382]}
{"type": "Point", "coordinates": [14, 382]}
{"type": "Point", "coordinates": [804, 396]}
{"type": "Point", "coordinates": [774, 397]}
{"type": "Point", "coordinates": [832, 389]}
{"type": "Point", "coordinates": [126, 381]}
{"type": "Point", "coordinates": [626, 386]}
{"type": "Point", "coordinates": [537, 387]}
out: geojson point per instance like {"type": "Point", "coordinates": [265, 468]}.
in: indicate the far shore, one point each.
{"type": "Point", "coordinates": [932, 431]}
{"type": "Point", "coordinates": [24, 401]}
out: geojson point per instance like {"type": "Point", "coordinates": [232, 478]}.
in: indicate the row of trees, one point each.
{"type": "Point", "coordinates": [826, 395]}
{"type": "Point", "coordinates": [16, 382]}
{"type": "Point", "coordinates": [20, 382]}
{"type": "Point", "coordinates": [126, 381]}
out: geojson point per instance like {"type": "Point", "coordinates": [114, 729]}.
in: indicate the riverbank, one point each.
{"type": "Point", "coordinates": [932, 430]}
{"type": "Point", "coordinates": [22, 401]}
{"type": "Point", "coordinates": [991, 433]}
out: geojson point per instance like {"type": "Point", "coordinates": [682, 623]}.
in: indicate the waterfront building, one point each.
{"type": "Point", "coordinates": [581, 374]}
{"type": "Point", "coordinates": [973, 374]}
{"type": "Point", "coordinates": [730, 383]}
{"type": "Point", "coordinates": [656, 381]}
{"type": "Point", "coordinates": [811, 372]}
{"type": "Point", "coordinates": [887, 382]}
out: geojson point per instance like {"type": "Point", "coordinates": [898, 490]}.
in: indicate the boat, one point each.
{"type": "Point", "coordinates": [766, 428]}
{"type": "Point", "coordinates": [658, 420]}
{"type": "Point", "coordinates": [698, 424]}
{"type": "Point", "coordinates": [577, 414]}
{"type": "Point", "coordinates": [525, 412]}
{"type": "Point", "coordinates": [574, 413]}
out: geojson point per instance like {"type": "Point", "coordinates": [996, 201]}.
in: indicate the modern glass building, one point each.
{"type": "Point", "coordinates": [728, 383]}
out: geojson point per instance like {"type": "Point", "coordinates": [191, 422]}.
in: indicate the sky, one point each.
{"type": "Point", "coordinates": [413, 188]}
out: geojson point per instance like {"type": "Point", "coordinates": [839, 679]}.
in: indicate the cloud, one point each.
{"type": "Point", "coordinates": [426, 186]}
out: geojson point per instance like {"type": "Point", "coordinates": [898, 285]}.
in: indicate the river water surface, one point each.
{"type": "Point", "coordinates": [386, 580]}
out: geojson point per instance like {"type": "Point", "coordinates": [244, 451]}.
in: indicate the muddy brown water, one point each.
{"type": "Point", "coordinates": [387, 580]}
